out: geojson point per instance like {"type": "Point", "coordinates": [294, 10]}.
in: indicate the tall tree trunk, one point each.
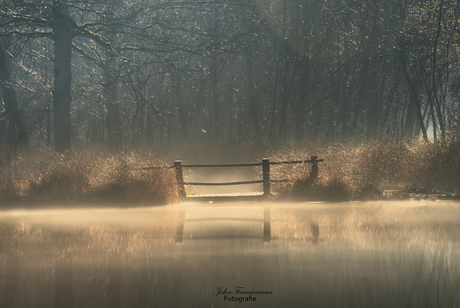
{"type": "Point", "coordinates": [410, 118]}
{"type": "Point", "coordinates": [182, 112]}
{"type": "Point", "coordinates": [275, 94]}
{"type": "Point", "coordinates": [18, 136]}
{"type": "Point", "coordinates": [112, 104]}
{"type": "Point", "coordinates": [216, 104]}
{"type": "Point", "coordinates": [362, 97]}
{"type": "Point", "coordinates": [318, 122]}
{"type": "Point", "coordinates": [62, 78]}
{"type": "Point", "coordinates": [433, 71]}
{"type": "Point", "coordinates": [113, 126]}
{"type": "Point", "coordinates": [148, 133]}
{"type": "Point", "coordinates": [302, 103]}
{"type": "Point", "coordinates": [286, 93]}
{"type": "Point", "coordinates": [414, 96]}
{"type": "Point", "coordinates": [374, 104]}
{"type": "Point", "coordinates": [284, 104]}
{"type": "Point", "coordinates": [435, 125]}
{"type": "Point", "coordinates": [251, 96]}
{"type": "Point", "coordinates": [345, 110]}
{"type": "Point", "coordinates": [389, 104]}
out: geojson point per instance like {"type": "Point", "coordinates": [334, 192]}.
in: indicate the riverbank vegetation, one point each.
{"type": "Point", "coordinates": [379, 169]}
{"type": "Point", "coordinates": [88, 176]}
{"type": "Point", "coordinates": [372, 170]}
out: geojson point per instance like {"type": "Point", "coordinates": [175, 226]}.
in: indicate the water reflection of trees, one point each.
{"type": "Point", "coordinates": [83, 265]}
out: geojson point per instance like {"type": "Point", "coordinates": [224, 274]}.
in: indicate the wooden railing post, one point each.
{"type": "Point", "coordinates": [266, 176]}
{"type": "Point", "coordinates": [314, 168]}
{"type": "Point", "coordinates": [180, 179]}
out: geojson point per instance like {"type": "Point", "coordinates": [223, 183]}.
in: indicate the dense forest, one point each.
{"type": "Point", "coordinates": [123, 73]}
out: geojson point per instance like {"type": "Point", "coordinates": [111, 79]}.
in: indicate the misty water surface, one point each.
{"type": "Point", "coordinates": [383, 254]}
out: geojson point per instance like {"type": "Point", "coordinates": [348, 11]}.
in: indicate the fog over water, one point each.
{"type": "Point", "coordinates": [381, 253]}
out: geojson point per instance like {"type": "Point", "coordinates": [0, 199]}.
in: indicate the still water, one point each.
{"type": "Point", "coordinates": [372, 254]}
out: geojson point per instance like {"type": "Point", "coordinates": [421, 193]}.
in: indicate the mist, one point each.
{"type": "Point", "coordinates": [158, 153]}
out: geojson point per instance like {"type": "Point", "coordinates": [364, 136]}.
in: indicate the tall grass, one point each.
{"type": "Point", "coordinates": [362, 172]}
{"type": "Point", "coordinates": [86, 175]}
{"type": "Point", "coordinates": [349, 172]}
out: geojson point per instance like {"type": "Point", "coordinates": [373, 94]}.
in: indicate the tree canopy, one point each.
{"type": "Point", "coordinates": [245, 71]}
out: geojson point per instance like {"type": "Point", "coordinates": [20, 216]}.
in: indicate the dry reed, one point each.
{"type": "Point", "coordinates": [353, 172]}
{"type": "Point", "coordinates": [86, 176]}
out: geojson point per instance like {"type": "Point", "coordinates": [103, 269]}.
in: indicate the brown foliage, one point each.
{"type": "Point", "coordinates": [87, 176]}
{"type": "Point", "coordinates": [358, 172]}
{"type": "Point", "coordinates": [362, 172]}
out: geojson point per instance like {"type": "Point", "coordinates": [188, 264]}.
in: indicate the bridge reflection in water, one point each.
{"type": "Point", "coordinates": [366, 255]}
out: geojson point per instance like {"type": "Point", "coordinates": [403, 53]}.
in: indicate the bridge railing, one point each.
{"type": "Point", "coordinates": [265, 173]}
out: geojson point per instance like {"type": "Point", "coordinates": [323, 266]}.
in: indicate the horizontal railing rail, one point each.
{"type": "Point", "coordinates": [265, 173]}
{"type": "Point", "coordinates": [224, 183]}
{"type": "Point", "coordinates": [232, 165]}
{"type": "Point", "coordinates": [292, 162]}
{"type": "Point", "coordinates": [222, 165]}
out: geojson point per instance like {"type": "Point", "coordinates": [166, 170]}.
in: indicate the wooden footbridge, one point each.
{"type": "Point", "coordinates": [266, 180]}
